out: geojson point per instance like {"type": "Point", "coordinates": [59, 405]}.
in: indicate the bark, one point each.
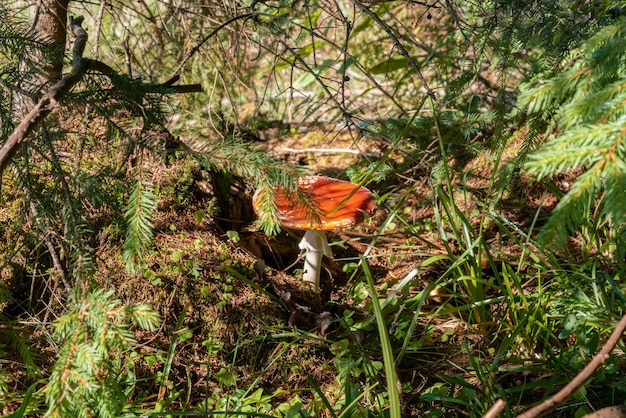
{"type": "Point", "coordinates": [48, 18]}
{"type": "Point", "coordinates": [49, 100]}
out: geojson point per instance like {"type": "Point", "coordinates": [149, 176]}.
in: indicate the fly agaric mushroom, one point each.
{"type": "Point", "coordinates": [335, 204]}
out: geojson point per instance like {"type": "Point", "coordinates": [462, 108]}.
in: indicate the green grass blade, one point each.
{"type": "Point", "coordinates": [388, 360]}
{"type": "Point", "coordinates": [324, 399]}
{"type": "Point", "coordinates": [22, 410]}
{"type": "Point", "coordinates": [170, 355]}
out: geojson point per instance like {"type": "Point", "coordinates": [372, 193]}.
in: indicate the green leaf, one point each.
{"type": "Point", "coordinates": [383, 335]}
{"type": "Point", "coordinates": [233, 236]}
{"type": "Point", "coordinates": [26, 402]}
{"type": "Point", "coordinates": [391, 65]}
{"type": "Point", "coordinates": [199, 215]}
{"type": "Point", "coordinates": [226, 377]}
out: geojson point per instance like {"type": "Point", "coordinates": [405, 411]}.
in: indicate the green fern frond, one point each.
{"type": "Point", "coordinates": [138, 215]}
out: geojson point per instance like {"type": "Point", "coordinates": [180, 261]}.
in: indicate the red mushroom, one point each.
{"type": "Point", "coordinates": [336, 204]}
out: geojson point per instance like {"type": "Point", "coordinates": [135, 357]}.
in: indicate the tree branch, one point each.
{"type": "Point", "coordinates": [330, 151]}
{"type": "Point", "coordinates": [598, 360]}
{"type": "Point", "coordinates": [196, 48]}
{"type": "Point", "coordinates": [398, 45]}
{"type": "Point", "coordinates": [104, 69]}
{"type": "Point", "coordinates": [49, 100]}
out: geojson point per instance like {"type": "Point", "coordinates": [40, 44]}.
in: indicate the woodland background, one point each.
{"type": "Point", "coordinates": [136, 279]}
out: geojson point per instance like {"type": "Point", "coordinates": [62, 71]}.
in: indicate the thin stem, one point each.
{"type": "Point", "coordinates": [598, 360]}
{"type": "Point", "coordinates": [315, 245]}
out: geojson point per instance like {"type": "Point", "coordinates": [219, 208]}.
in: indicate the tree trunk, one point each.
{"type": "Point", "coordinates": [48, 18]}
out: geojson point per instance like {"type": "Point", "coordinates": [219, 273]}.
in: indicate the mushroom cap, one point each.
{"type": "Point", "coordinates": [336, 204]}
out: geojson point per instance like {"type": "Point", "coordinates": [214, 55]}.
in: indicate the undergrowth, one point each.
{"type": "Point", "coordinates": [137, 281]}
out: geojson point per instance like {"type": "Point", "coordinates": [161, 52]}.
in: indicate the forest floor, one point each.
{"type": "Point", "coordinates": [244, 324]}
{"type": "Point", "coordinates": [238, 321]}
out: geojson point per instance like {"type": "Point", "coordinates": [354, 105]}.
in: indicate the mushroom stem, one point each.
{"type": "Point", "coordinates": [315, 245]}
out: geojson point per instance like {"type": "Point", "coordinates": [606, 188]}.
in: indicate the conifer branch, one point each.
{"type": "Point", "coordinates": [114, 76]}
{"type": "Point", "coordinates": [139, 212]}
{"type": "Point", "coordinates": [49, 100]}
{"type": "Point", "coordinates": [86, 380]}
{"type": "Point", "coordinates": [586, 105]}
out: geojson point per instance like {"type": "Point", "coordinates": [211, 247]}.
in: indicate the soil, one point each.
{"type": "Point", "coordinates": [242, 293]}
{"type": "Point", "coordinates": [235, 294]}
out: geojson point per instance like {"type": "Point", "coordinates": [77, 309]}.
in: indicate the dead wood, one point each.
{"type": "Point", "coordinates": [598, 360]}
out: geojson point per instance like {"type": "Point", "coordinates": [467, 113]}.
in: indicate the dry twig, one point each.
{"type": "Point", "coordinates": [495, 409]}
{"type": "Point", "coordinates": [49, 100]}
{"type": "Point", "coordinates": [559, 398]}
{"type": "Point", "coordinates": [329, 151]}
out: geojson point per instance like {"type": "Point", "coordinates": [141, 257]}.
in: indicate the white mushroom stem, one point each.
{"type": "Point", "coordinates": [315, 245]}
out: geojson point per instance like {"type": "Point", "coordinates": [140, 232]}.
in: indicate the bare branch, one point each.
{"type": "Point", "coordinates": [104, 69]}
{"type": "Point", "coordinates": [330, 151]}
{"type": "Point", "coordinates": [598, 360]}
{"type": "Point", "coordinates": [196, 48]}
{"type": "Point", "coordinates": [398, 45]}
{"type": "Point", "coordinates": [495, 409]}
{"type": "Point", "coordinates": [96, 46]}
{"type": "Point", "coordinates": [49, 100]}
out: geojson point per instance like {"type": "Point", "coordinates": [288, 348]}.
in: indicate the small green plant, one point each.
{"type": "Point", "coordinates": [389, 360]}
{"type": "Point", "coordinates": [430, 87]}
